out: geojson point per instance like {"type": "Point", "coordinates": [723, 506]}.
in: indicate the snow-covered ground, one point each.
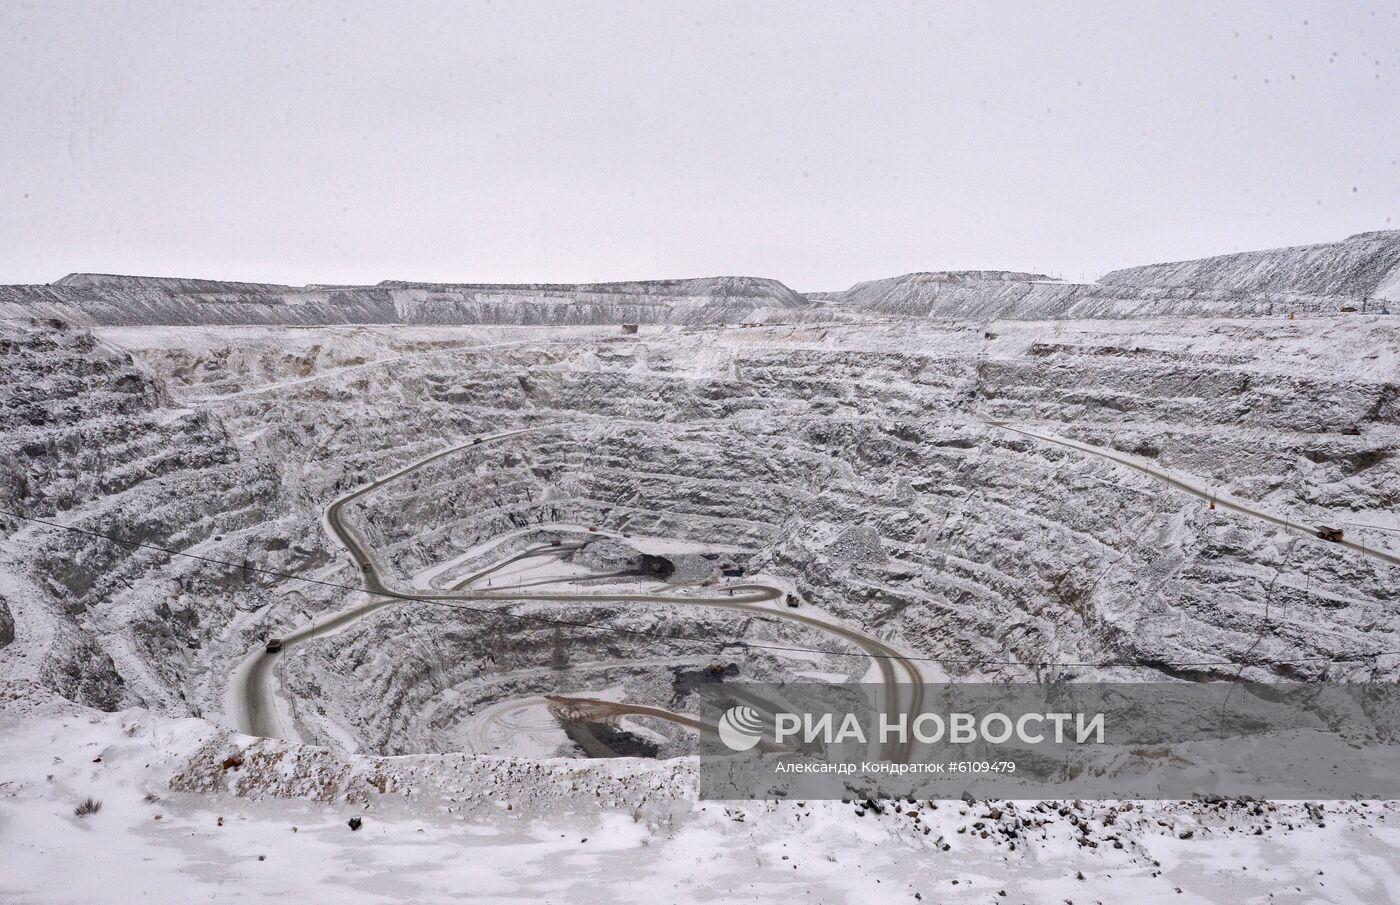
{"type": "Point", "coordinates": [178, 826]}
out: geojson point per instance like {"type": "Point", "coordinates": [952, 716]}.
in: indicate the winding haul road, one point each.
{"type": "Point", "coordinates": [1221, 502]}
{"type": "Point", "coordinates": [252, 682]}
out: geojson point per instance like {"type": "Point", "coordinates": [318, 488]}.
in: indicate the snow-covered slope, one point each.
{"type": "Point", "coordinates": [979, 548]}
{"type": "Point", "coordinates": [1361, 272]}
{"type": "Point", "coordinates": [120, 300]}
{"type": "Point", "coordinates": [91, 440]}
{"type": "Point", "coordinates": [958, 296]}
{"type": "Point", "coordinates": [1366, 265]}
{"type": "Point", "coordinates": [962, 294]}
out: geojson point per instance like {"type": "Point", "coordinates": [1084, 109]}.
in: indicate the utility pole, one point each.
{"type": "Point", "coordinates": [558, 659]}
{"type": "Point", "coordinates": [498, 651]}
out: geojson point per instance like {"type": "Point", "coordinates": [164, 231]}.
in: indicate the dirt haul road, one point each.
{"type": "Point", "coordinates": [253, 681]}
{"type": "Point", "coordinates": [1198, 490]}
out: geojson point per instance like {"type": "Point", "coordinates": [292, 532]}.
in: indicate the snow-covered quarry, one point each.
{"type": "Point", "coordinates": [507, 543]}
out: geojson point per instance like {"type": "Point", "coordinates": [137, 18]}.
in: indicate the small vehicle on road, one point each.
{"type": "Point", "coordinates": [556, 542]}
{"type": "Point", "coordinates": [792, 601]}
{"type": "Point", "coordinates": [274, 645]}
{"type": "Point", "coordinates": [1327, 532]}
{"type": "Point", "coordinates": [476, 440]}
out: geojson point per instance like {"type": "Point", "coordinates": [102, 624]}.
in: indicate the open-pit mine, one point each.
{"type": "Point", "coordinates": [280, 537]}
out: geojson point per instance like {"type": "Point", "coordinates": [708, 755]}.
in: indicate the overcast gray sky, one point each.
{"type": "Point", "coordinates": [818, 143]}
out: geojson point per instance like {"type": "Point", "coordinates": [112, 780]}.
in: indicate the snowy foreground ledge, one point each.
{"type": "Point", "coordinates": [191, 812]}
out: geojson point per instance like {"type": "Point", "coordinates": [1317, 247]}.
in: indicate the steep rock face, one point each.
{"type": "Point", "coordinates": [81, 670]}
{"type": "Point", "coordinates": [858, 463]}
{"type": "Point", "coordinates": [92, 442]}
{"type": "Point", "coordinates": [116, 300]}
{"type": "Point", "coordinates": [701, 301]}
{"type": "Point", "coordinates": [1366, 265]}
{"type": "Point", "coordinates": [114, 303]}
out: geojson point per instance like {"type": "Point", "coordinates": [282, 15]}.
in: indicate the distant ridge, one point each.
{"type": "Point", "coordinates": [1361, 271]}
{"type": "Point", "coordinates": [163, 284]}
{"type": "Point", "coordinates": [1366, 265]}
{"type": "Point", "coordinates": [113, 299]}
